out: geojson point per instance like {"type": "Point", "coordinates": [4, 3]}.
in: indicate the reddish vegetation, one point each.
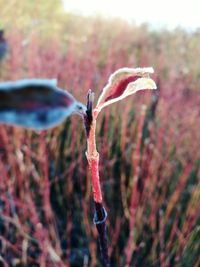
{"type": "Point", "coordinates": [149, 164]}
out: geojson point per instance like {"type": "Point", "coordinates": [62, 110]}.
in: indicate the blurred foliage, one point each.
{"type": "Point", "coordinates": [149, 144]}
{"type": "Point", "coordinates": [30, 16]}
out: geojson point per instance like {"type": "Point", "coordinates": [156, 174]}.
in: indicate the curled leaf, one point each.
{"type": "Point", "coordinates": [124, 82]}
{"type": "Point", "coordinates": [36, 104]}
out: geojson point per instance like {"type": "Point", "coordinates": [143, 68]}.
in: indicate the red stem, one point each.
{"type": "Point", "coordinates": [93, 161]}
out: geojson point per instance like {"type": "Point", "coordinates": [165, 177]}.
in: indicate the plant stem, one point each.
{"type": "Point", "coordinates": [100, 212]}
{"type": "Point", "coordinates": [93, 161]}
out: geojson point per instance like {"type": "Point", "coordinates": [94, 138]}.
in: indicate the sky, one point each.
{"type": "Point", "coordinates": [169, 14]}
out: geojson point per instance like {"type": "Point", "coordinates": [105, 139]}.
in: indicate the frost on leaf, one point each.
{"type": "Point", "coordinates": [124, 82]}
{"type": "Point", "coordinates": [35, 103]}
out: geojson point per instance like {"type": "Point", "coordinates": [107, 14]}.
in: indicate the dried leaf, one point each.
{"type": "Point", "coordinates": [36, 104]}
{"type": "Point", "coordinates": [124, 82]}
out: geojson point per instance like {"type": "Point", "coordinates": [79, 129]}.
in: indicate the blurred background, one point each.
{"type": "Point", "coordinates": [149, 144]}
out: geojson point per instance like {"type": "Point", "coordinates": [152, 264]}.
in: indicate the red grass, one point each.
{"type": "Point", "coordinates": [149, 164]}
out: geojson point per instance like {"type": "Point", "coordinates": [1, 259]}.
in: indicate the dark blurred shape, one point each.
{"type": "Point", "coordinates": [154, 100]}
{"type": "Point", "coordinates": [35, 103]}
{"type": "Point", "coordinates": [3, 45]}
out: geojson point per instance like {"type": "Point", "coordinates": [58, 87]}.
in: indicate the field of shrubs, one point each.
{"type": "Point", "coordinates": [149, 149]}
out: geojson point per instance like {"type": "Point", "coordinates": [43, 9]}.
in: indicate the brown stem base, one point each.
{"type": "Point", "coordinates": [99, 220]}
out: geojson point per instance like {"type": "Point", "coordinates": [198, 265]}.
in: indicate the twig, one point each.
{"type": "Point", "coordinates": [92, 155]}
